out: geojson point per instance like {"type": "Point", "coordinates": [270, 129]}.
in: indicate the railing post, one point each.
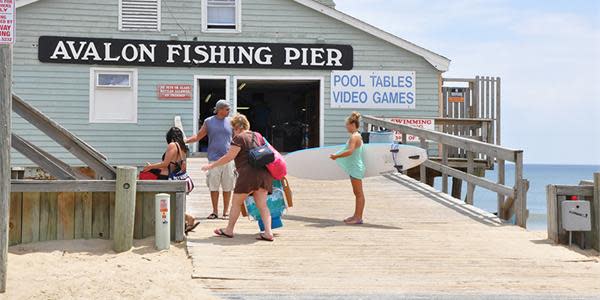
{"type": "Point", "coordinates": [470, 170]}
{"type": "Point", "coordinates": [520, 192]}
{"type": "Point", "coordinates": [366, 127]}
{"type": "Point", "coordinates": [596, 212]}
{"type": "Point", "coordinates": [552, 212]}
{"type": "Point", "coordinates": [180, 217]}
{"type": "Point", "coordinates": [501, 180]}
{"type": "Point", "coordinates": [445, 163]}
{"type": "Point", "coordinates": [404, 138]}
{"type": "Point", "coordinates": [5, 140]}
{"type": "Point", "coordinates": [498, 117]}
{"type": "Point", "coordinates": [423, 169]}
{"type": "Point", "coordinates": [124, 208]}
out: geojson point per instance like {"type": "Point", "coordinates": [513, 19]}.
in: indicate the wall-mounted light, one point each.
{"type": "Point", "coordinates": [207, 98]}
{"type": "Point", "coordinates": [243, 108]}
{"type": "Point", "coordinates": [242, 86]}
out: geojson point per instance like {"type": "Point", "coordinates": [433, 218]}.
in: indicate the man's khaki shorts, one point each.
{"type": "Point", "coordinates": [221, 177]}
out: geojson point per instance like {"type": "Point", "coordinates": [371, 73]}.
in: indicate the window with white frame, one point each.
{"type": "Point", "coordinates": [113, 95]}
{"type": "Point", "coordinates": [139, 15]}
{"type": "Point", "coordinates": [221, 15]}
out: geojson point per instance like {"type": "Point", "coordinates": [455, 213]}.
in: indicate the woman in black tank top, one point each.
{"type": "Point", "coordinates": [173, 162]}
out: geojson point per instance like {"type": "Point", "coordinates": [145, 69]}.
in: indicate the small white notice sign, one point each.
{"type": "Point", "coordinates": [7, 21]}
{"type": "Point", "coordinates": [373, 89]}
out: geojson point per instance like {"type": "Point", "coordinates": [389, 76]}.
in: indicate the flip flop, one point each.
{"type": "Point", "coordinates": [221, 233]}
{"type": "Point", "coordinates": [359, 222]}
{"type": "Point", "coordinates": [212, 216]}
{"type": "Point", "coordinates": [225, 217]}
{"type": "Point", "coordinates": [262, 237]}
{"type": "Point", "coordinates": [191, 228]}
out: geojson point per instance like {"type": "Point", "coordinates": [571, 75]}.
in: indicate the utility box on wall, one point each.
{"type": "Point", "coordinates": [576, 216]}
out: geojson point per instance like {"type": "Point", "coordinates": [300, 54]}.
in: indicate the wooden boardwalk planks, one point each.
{"type": "Point", "coordinates": [83, 218]}
{"type": "Point", "coordinates": [65, 225]}
{"type": "Point", "coordinates": [415, 240]}
{"type": "Point", "coordinates": [31, 218]}
{"type": "Point", "coordinates": [148, 214]}
{"type": "Point", "coordinates": [100, 217]}
{"type": "Point", "coordinates": [48, 216]}
{"type": "Point", "coordinates": [14, 221]}
{"type": "Point", "coordinates": [138, 226]}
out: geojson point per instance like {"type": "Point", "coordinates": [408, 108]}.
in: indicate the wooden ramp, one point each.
{"type": "Point", "coordinates": [415, 241]}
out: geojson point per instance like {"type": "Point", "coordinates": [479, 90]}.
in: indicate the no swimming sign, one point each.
{"type": "Point", "coordinates": [7, 21]}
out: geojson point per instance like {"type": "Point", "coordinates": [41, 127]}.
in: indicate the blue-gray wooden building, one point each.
{"type": "Point", "coordinates": [96, 67]}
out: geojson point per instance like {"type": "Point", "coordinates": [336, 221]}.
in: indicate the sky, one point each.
{"type": "Point", "coordinates": [546, 52]}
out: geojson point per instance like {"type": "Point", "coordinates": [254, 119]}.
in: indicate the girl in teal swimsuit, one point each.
{"type": "Point", "coordinates": [350, 159]}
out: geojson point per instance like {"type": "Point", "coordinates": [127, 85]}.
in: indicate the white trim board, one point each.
{"type": "Point", "coordinates": [441, 63]}
{"type": "Point", "coordinates": [320, 79]}
{"type": "Point", "coordinates": [196, 100]}
{"type": "Point", "coordinates": [21, 3]}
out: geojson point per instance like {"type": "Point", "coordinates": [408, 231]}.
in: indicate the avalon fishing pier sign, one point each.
{"type": "Point", "coordinates": [92, 51]}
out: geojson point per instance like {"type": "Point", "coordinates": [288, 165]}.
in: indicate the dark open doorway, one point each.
{"type": "Point", "coordinates": [287, 112]}
{"type": "Point", "coordinates": [210, 91]}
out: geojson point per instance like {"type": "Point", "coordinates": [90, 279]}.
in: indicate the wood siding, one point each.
{"type": "Point", "coordinates": [62, 91]}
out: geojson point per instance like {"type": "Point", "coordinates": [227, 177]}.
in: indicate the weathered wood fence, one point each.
{"type": "Point", "coordinates": [556, 194]}
{"type": "Point", "coordinates": [67, 209]}
{"type": "Point", "coordinates": [511, 200]}
{"type": "Point", "coordinates": [482, 101]}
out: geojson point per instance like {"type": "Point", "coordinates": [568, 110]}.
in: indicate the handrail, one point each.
{"type": "Point", "coordinates": [63, 137]}
{"type": "Point", "coordinates": [166, 186]}
{"type": "Point", "coordinates": [510, 199]}
{"type": "Point", "coordinates": [448, 139]}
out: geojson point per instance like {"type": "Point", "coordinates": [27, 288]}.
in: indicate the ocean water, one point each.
{"type": "Point", "coordinates": [539, 177]}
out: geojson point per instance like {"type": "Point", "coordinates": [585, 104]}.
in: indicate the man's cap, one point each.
{"type": "Point", "coordinates": [222, 104]}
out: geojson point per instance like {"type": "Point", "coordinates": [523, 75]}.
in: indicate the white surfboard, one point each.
{"type": "Point", "coordinates": [315, 163]}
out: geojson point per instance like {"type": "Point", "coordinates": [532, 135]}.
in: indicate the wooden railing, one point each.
{"type": "Point", "coordinates": [586, 190]}
{"type": "Point", "coordinates": [476, 129]}
{"type": "Point", "coordinates": [81, 209]}
{"type": "Point", "coordinates": [511, 200]}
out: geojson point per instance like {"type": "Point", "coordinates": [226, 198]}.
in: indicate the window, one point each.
{"type": "Point", "coordinates": [139, 15]}
{"type": "Point", "coordinates": [221, 15]}
{"type": "Point", "coordinates": [113, 80]}
{"type": "Point", "coordinates": [113, 95]}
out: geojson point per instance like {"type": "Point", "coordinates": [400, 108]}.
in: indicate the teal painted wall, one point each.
{"type": "Point", "coordinates": [62, 91]}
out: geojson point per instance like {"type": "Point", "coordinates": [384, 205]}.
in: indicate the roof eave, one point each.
{"type": "Point", "coordinates": [21, 3]}
{"type": "Point", "coordinates": [439, 62]}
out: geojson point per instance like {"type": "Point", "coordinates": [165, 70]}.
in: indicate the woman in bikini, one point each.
{"type": "Point", "coordinates": [257, 182]}
{"type": "Point", "coordinates": [173, 165]}
{"type": "Point", "coordinates": [350, 159]}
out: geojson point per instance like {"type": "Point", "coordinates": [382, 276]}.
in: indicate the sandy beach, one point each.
{"type": "Point", "coordinates": [86, 269]}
